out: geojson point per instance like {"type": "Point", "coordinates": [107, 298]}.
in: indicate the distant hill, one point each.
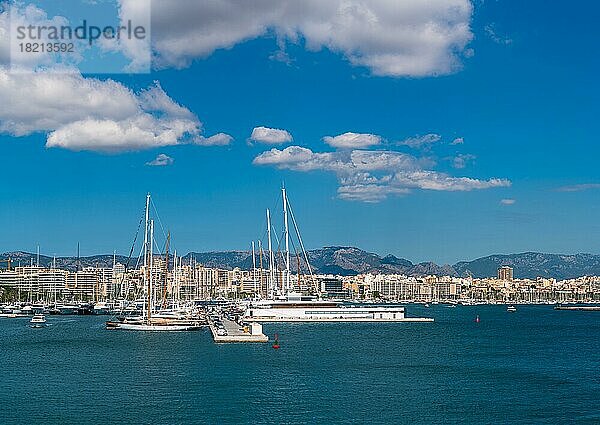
{"type": "Point", "coordinates": [67, 263]}
{"type": "Point", "coordinates": [533, 264]}
{"type": "Point", "coordinates": [348, 261]}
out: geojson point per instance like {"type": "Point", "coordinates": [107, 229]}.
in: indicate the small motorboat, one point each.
{"type": "Point", "coordinates": [511, 308]}
{"type": "Point", "coordinates": [38, 321]}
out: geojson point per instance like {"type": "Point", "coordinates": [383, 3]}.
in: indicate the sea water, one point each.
{"type": "Point", "coordinates": [536, 365]}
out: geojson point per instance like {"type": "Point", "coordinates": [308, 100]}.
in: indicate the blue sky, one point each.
{"type": "Point", "coordinates": [524, 102]}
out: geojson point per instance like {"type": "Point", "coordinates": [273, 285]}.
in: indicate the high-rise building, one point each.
{"type": "Point", "coordinates": [505, 273]}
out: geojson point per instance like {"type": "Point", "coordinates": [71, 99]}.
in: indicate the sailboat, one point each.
{"type": "Point", "coordinates": [147, 321]}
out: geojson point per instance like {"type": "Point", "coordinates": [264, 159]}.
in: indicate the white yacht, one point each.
{"type": "Point", "coordinates": [298, 308]}
{"type": "Point", "coordinates": [38, 321]}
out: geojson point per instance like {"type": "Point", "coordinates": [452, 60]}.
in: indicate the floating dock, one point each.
{"type": "Point", "coordinates": [234, 333]}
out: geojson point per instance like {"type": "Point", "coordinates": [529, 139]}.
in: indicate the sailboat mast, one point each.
{"type": "Point", "coordinates": [271, 258]}
{"type": "Point", "coordinates": [146, 279]}
{"type": "Point", "coordinates": [260, 265]}
{"type": "Point", "coordinates": [166, 282]}
{"type": "Point", "coordinates": [287, 242]}
{"type": "Point", "coordinates": [175, 287]}
{"type": "Point", "coordinates": [147, 216]}
{"type": "Point", "coordinates": [150, 261]}
{"type": "Point", "coordinates": [254, 266]}
{"type": "Point", "coordinates": [54, 277]}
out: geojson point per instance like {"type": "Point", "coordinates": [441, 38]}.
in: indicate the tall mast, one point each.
{"type": "Point", "coordinates": [175, 288]}
{"type": "Point", "coordinates": [164, 300]}
{"type": "Point", "coordinates": [146, 311]}
{"type": "Point", "coordinates": [150, 261]}
{"type": "Point", "coordinates": [271, 258]}
{"type": "Point", "coordinates": [287, 242]}
{"type": "Point", "coordinates": [54, 277]}
{"type": "Point", "coordinates": [260, 264]}
{"type": "Point", "coordinates": [254, 267]}
{"type": "Point", "coordinates": [146, 231]}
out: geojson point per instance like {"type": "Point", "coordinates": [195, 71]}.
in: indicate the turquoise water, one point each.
{"type": "Point", "coordinates": [533, 366]}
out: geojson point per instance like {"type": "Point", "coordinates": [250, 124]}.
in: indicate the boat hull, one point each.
{"type": "Point", "coordinates": [319, 313]}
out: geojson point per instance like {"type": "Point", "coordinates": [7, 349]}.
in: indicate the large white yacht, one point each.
{"type": "Point", "coordinates": [298, 308]}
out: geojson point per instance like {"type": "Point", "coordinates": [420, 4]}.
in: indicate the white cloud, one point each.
{"type": "Point", "coordinates": [138, 52]}
{"type": "Point", "coordinates": [95, 115]}
{"type": "Point", "coordinates": [461, 161]}
{"type": "Point", "coordinates": [352, 140]}
{"type": "Point", "coordinates": [579, 187]}
{"type": "Point", "coordinates": [219, 139]}
{"type": "Point", "coordinates": [372, 176]}
{"type": "Point", "coordinates": [369, 192]}
{"type": "Point", "coordinates": [421, 142]}
{"type": "Point", "coordinates": [491, 31]}
{"type": "Point", "coordinates": [271, 136]}
{"type": "Point", "coordinates": [393, 38]}
{"type": "Point", "coordinates": [458, 141]}
{"type": "Point", "coordinates": [508, 201]}
{"type": "Point", "coordinates": [161, 160]}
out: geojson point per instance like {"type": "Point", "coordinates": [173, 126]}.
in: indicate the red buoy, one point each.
{"type": "Point", "coordinates": [276, 343]}
{"type": "Point", "coordinates": [477, 319]}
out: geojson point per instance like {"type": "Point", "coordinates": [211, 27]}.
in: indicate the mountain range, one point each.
{"type": "Point", "coordinates": [350, 261]}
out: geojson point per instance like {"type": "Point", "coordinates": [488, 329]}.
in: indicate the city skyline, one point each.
{"type": "Point", "coordinates": [480, 142]}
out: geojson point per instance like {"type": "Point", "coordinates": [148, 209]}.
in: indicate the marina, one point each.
{"type": "Point", "coordinates": [154, 301]}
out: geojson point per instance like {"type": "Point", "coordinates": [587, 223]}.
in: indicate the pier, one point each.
{"type": "Point", "coordinates": [232, 332]}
